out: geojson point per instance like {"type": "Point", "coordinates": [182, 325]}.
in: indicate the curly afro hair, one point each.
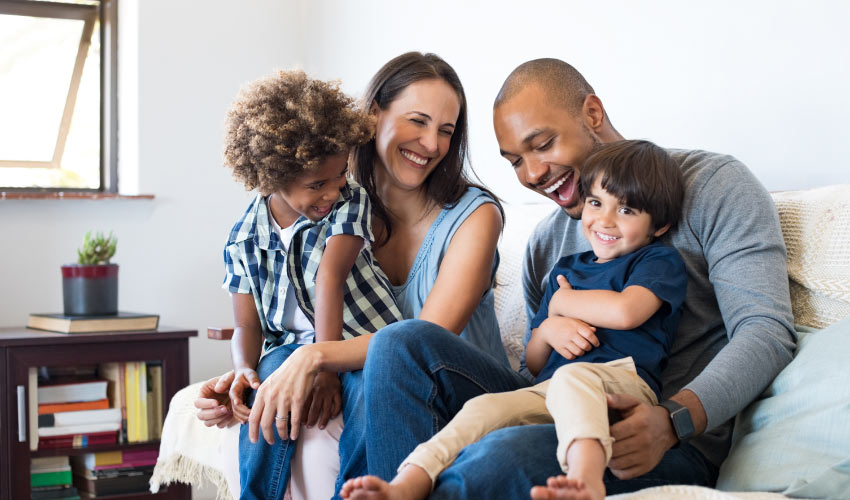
{"type": "Point", "coordinates": [284, 125]}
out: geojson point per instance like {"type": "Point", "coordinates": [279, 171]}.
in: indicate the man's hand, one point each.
{"type": "Point", "coordinates": [244, 379]}
{"type": "Point", "coordinates": [641, 438]}
{"type": "Point", "coordinates": [325, 401]}
{"type": "Point", "coordinates": [570, 337]}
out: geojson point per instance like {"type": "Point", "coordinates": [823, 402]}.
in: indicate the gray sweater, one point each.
{"type": "Point", "coordinates": [736, 331]}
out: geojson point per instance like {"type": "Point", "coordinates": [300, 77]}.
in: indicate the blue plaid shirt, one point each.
{"type": "Point", "coordinates": [257, 263]}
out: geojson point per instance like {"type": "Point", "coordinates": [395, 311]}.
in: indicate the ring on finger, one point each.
{"type": "Point", "coordinates": [278, 417]}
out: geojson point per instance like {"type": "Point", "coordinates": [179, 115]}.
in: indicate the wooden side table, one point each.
{"type": "Point", "coordinates": [22, 348]}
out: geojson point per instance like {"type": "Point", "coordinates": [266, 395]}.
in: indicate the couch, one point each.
{"type": "Point", "coordinates": [794, 440]}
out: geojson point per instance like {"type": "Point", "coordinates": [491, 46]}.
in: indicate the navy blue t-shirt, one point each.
{"type": "Point", "coordinates": [656, 267]}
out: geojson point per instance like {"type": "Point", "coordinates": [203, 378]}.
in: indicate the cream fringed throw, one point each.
{"type": "Point", "coordinates": [816, 229]}
{"type": "Point", "coordinates": [191, 452]}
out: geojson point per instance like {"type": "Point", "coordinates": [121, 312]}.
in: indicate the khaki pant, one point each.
{"type": "Point", "coordinates": [574, 399]}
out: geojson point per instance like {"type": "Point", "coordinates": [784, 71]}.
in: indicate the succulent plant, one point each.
{"type": "Point", "coordinates": [96, 250]}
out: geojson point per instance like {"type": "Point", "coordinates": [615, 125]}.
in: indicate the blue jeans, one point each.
{"type": "Point", "coordinates": [508, 462]}
{"type": "Point", "coordinates": [263, 468]}
{"type": "Point", "coordinates": [417, 376]}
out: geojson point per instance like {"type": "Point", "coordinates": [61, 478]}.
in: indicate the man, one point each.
{"type": "Point", "coordinates": [736, 329]}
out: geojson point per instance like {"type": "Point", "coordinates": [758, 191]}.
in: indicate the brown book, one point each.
{"type": "Point", "coordinates": [121, 322]}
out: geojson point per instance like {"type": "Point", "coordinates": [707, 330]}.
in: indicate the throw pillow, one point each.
{"type": "Point", "coordinates": [816, 229]}
{"type": "Point", "coordinates": [795, 439]}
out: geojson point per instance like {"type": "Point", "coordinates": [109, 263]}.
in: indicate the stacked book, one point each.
{"type": "Point", "coordinates": [113, 472]}
{"type": "Point", "coordinates": [50, 478]}
{"type": "Point", "coordinates": [76, 415]}
{"type": "Point", "coordinates": [135, 387]}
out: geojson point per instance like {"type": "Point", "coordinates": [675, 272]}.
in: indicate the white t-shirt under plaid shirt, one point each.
{"type": "Point", "coordinates": [256, 262]}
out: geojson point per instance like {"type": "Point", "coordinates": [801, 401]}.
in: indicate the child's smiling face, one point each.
{"type": "Point", "coordinates": [613, 228]}
{"type": "Point", "coordinates": [312, 194]}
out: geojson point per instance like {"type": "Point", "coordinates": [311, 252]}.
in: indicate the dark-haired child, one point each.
{"type": "Point", "coordinates": [605, 325]}
{"type": "Point", "coordinates": [299, 262]}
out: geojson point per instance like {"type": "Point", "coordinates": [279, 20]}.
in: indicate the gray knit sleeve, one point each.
{"type": "Point", "coordinates": [738, 227]}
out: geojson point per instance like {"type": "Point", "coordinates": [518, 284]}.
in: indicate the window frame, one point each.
{"type": "Point", "coordinates": [107, 13]}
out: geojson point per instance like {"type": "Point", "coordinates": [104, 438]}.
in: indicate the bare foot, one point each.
{"type": "Point", "coordinates": [366, 487]}
{"type": "Point", "coordinates": [566, 488]}
{"type": "Point", "coordinates": [411, 483]}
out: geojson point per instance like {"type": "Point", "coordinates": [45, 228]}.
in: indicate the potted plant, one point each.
{"type": "Point", "coordinates": [90, 287]}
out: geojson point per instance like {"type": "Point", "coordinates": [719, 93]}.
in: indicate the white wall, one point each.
{"type": "Point", "coordinates": [185, 66]}
{"type": "Point", "coordinates": [765, 81]}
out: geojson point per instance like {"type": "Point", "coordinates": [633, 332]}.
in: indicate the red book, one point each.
{"type": "Point", "coordinates": [78, 440]}
{"type": "Point", "coordinates": [100, 404]}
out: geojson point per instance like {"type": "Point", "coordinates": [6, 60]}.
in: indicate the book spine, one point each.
{"type": "Point", "coordinates": [144, 435]}
{"type": "Point", "coordinates": [50, 478]}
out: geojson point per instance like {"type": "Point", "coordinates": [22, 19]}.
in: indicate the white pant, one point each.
{"type": "Point", "coordinates": [574, 399]}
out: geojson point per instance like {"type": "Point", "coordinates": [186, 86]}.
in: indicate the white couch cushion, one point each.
{"type": "Point", "coordinates": [816, 229]}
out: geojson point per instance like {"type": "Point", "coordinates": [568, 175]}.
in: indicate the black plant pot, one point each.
{"type": "Point", "coordinates": [90, 290]}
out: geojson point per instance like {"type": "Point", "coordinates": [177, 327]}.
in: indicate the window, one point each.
{"type": "Point", "coordinates": [57, 95]}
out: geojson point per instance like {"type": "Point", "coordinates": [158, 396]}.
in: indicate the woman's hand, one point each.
{"type": "Point", "coordinates": [244, 379]}
{"type": "Point", "coordinates": [570, 337]}
{"type": "Point", "coordinates": [325, 401]}
{"type": "Point", "coordinates": [283, 395]}
{"type": "Point", "coordinates": [213, 402]}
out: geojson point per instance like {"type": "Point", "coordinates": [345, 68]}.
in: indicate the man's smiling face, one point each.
{"type": "Point", "coordinates": [546, 145]}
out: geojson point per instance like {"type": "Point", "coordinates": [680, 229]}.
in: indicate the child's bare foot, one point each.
{"type": "Point", "coordinates": [566, 488]}
{"type": "Point", "coordinates": [366, 487]}
{"type": "Point", "coordinates": [410, 484]}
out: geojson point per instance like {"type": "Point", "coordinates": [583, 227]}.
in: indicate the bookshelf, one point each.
{"type": "Point", "coordinates": [22, 348]}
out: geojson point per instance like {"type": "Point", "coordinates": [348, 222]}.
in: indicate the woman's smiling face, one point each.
{"type": "Point", "coordinates": [414, 133]}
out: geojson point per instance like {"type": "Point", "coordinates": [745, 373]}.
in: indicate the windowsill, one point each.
{"type": "Point", "coordinates": [70, 195]}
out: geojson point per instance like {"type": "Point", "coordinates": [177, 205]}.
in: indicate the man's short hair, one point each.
{"type": "Point", "coordinates": [641, 175]}
{"type": "Point", "coordinates": [561, 82]}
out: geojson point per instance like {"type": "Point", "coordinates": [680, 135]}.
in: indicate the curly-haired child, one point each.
{"type": "Point", "coordinates": [299, 262]}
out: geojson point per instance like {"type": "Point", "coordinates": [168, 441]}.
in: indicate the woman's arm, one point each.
{"type": "Point", "coordinates": [466, 270]}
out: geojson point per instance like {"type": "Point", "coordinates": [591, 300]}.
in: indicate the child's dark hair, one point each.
{"type": "Point", "coordinates": [284, 125]}
{"type": "Point", "coordinates": [641, 175]}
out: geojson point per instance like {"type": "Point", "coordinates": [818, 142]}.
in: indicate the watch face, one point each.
{"type": "Point", "coordinates": [682, 422]}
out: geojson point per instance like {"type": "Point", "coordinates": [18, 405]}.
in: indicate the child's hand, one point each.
{"type": "Point", "coordinates": [570, 337]}
{"type": "Point", "coordinates": [213, 402]}
{"type": "Point", "coordinates": [244, 379]}
{"type": "Point", "coordinates": [325, 401]}
{"type": "Point", "coordinates": [560, 295]}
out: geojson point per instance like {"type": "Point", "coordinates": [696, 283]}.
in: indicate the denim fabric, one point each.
{"type": "Point", "coordinates": [264, 468]}
{"type": "Point", "coordinates": [352, 455]}
{"type": "Point", "coordinates": [508, 462]}
{"type": "Point", "coordinates": [417, 376]}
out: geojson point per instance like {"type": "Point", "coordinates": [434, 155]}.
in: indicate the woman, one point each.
{"type": "Point", "coordinates": [436, 241]}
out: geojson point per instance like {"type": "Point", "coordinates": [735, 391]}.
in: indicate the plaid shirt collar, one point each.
{"type": "Point", "coordinates": [257, 223]}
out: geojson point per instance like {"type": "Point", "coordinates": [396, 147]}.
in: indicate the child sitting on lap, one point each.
{"type": "Point", "coordinates": [605, 325]}
{"type": "Point", "coordinates": [299, 261]}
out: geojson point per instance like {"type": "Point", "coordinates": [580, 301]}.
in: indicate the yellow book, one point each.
{"type": "Point", "coordinates": [155, 400]}
{"type": "Point", "coordinates": [130, 385]}
{"type": "Point", "coordinates": [142, 395]}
